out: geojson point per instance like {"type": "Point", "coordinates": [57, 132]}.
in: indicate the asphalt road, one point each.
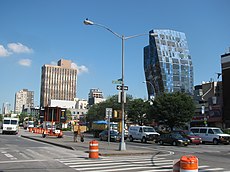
{"type": "Point", "coordinates": [216, 156]}
{"type": "Point", "coordinates": [22, 155]}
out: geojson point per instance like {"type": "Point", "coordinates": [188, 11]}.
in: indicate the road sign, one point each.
{"type": "Point", "coordinates": [108, 112]}
{"type": "Point", "coordinates": [116, 82]}
{"type": "Point", "coordinates": [119, 87]}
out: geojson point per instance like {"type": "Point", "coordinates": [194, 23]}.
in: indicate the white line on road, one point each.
{"type": "Point", "coordinates": [8, 155]}
{"type": "Point", "coordinates": [211, 169]}
{"type": "Point", "coordinates": [21, 161]}
{"type": "Point", "coordinates": [111, 168]}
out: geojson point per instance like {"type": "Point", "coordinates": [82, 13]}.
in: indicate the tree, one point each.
{"type": "Point", "coordinates": [137, 111]}
{"type": "Point", "coordinates": [97, 111]}
{"type": "Point", "coordinates": [22, 116]}
{"type": "Point", "coordinates": [174, 109]}
{"type": "Point", "coordinates": [68, 115]}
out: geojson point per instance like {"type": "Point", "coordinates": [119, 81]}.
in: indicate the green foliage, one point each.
{"type": "Point", "coordinates": [137, 111]}
{"type": "Point", "coordinates": [22, 116]}
{"type": "Point", "coordinates": [97, 111]}
{"type": "Point", "coordinates": [174, 109]}
{"type": "Point", "coordinates": [68, 115]}
{"type": "Point", "coordinates": [227, 131]}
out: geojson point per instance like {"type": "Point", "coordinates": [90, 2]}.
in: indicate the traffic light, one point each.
{"type": "Point", "coordinates": [115, 114]}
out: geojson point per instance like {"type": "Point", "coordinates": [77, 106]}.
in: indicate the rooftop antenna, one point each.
{"type": "Point", "coordinates": [218, 76]}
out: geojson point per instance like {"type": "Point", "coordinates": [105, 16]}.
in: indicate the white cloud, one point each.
{"type": "Point", "coordinates": [25, 62]}
{"type": "Point", "coordinates": [19, 48]}
{"type": "Point", "coordinates": [4, 52]}
{"type": "Point", "coordinates": [53, 63]}
{"type": "Point", "coordinates": [80, 69]}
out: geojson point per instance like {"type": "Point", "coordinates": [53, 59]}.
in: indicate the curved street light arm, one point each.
{"type": "Point", "coordinates": [137, 35]}
{"type": "Point", "coordinates": [89, 22]}
{"type": "Point", "coordinates": [105, 27]}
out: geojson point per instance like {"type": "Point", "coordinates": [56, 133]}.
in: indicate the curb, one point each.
{"type": "Point", "coordinates": [113, 153]}
{"type": "Point", "coordinates": [56, 144]}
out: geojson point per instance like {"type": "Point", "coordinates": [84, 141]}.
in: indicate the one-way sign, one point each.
{"type": "Point", "coordinates": [119, 87]}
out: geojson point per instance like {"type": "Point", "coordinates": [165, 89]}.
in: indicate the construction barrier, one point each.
{"type": "Point", "coordinates": [188, 163]}
{"type": "Point", "coordinates": [30, 129]}
{"type": "Point", "coordinates": [93, 149]}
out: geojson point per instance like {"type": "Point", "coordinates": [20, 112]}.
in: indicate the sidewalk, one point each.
{"type": "Point", "coordinates": [105, 148]}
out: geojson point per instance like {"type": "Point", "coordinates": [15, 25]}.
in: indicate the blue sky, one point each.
{"type": "Point", "coordinates": [36, 32]}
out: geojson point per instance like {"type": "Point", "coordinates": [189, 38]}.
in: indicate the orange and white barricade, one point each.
{"type": "Point", "coordinates": [189, 163]}
{"type": "Point", "coordinates": [93, 149]}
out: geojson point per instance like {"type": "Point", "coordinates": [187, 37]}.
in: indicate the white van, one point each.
{"type": "Point", "coordinates": [143, 133]}
{"type": "Point", "coordinates": [30, 124]}
{"type": "Point", "coordinates": [10, 125]}
{"type": "Point", "coordinates": [211, 134]}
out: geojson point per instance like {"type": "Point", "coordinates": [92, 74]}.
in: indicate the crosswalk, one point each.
{"type": "Point", "coordinates": [139, 163]}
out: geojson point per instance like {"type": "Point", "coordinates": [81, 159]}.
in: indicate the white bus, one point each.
{"type": "Point", "coordinates": [10, 125]}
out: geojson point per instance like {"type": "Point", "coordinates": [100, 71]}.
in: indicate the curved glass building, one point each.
{"type": "Point", "coordinates": [167, 63]}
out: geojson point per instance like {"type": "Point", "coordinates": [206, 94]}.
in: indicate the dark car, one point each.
{"type": "Point", "coordinates": [114, 135]}
{"type": "Point", "coordinates": [173, 139]}
{"type": "Point", "coordinates": [190, 135]}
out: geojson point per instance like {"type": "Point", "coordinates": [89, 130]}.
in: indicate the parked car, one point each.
{"type": "Point", "coordinates": [211, 134]}
{"type": "Point", "coordinates": [114, 135]}
{"type": "Point", "coordinates": [189, 135]}
{"type": "Point", "coordinates": [143, 133]}
{"type": "Point", "coordinates": [174, 139]}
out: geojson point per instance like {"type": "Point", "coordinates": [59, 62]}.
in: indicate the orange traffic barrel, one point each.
{"type": "Point", "coordinates": [189, 163]}
{"type": "Point", "coordinates": [93, 149]}
{"type": "Point", "coordinates": [30, 129]}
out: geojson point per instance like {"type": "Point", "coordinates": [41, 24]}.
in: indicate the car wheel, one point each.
{"type": "Point", "coordinates": [130, 138]}
{"type": "Point", "coordinates": [143, 140]}
{"type": "Point", "coordinates": [161, 142]}
{"type": "Point", "coordinates": [100, 138]}
{"type": "Point", "coordinates": [215, 142]}
{"type": "Point", "coordinates": [174, 143]}
{"type": "Point", "coordinates": [43, 135]}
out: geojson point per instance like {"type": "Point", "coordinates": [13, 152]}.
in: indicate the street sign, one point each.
{"type": "Point", "coordinates": [116, 82]}
{"type": "Point", "coordinates": [108, 112]}
{"type": "Point", "coordinates": [119, 87]}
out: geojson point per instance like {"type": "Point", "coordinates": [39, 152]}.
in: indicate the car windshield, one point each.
{"type": "Point", "coordinates": [6, 121]}
{"type": "Point", "coordinates": [189, 133]}
{"type": "Point", "coordinates": [31, 123]}
{"type": "Point", "coordinates": [14, 122]}
{"type": "Point", "coordinates": [177, 136]}
{"type": "Point", "coordinates": [217, 131]}
{"type": "Point", "coordinates": [149, 129]}
{"type": "Point", "coordinates": [113, 133]}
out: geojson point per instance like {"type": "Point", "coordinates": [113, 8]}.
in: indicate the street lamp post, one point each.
{"type": "Point", "coordinates": [152, 88]}
{"type": "Point", "coordinates": [122, 146]}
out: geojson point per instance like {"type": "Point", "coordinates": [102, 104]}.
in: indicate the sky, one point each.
{"type": "Point", "coordinates": [36, 32]}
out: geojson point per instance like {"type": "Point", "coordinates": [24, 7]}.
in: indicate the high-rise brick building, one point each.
{"type": "Point", "coordinates": [58, 82]}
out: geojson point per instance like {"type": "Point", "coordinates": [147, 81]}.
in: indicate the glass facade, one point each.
{"type": "Point", "coordinates": [167, 63]}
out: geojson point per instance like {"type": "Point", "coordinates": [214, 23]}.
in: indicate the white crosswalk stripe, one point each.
{"type": "Point", "coordinates": [108, 164]}
{"type": "Point", "coordinates": [139, 163]}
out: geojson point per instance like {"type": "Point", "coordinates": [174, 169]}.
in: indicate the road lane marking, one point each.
{"type": "Point", "coordinates": [21, 161]}
{"type": "Point", "coordinates": [211, 169]}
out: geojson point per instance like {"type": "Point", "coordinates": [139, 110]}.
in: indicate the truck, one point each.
{"type": "Point", "coordinates": [99, 126]}
{"type": "Point", "coordinates": [143, 133]}
{"type": "Point", "coordinates": [10, 125]}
